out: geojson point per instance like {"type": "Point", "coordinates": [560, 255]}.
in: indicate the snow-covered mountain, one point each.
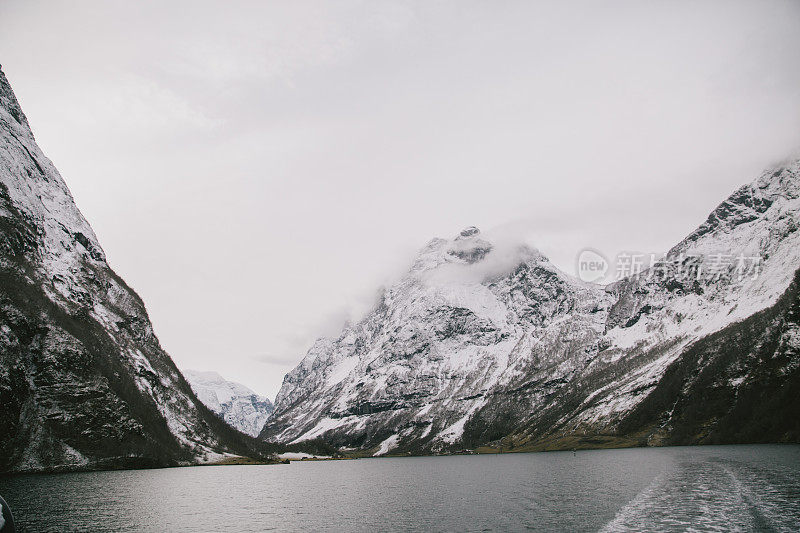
{"type": "Point", "coordinates": [487, 345]}
{"type": "Point", "coordinates": [239, 406]}
{"type": "Point", "coordinates": [84, 382]}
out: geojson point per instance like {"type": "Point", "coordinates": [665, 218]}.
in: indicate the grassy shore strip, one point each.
{"type": "Point", "coordinates": [343, 458]}
{"type": "Point", "coordinates": [596, 442]}
{"type": "Point", "coordinates": [554, 443]}
{"type": "Point", "coordinates": [240, 460]}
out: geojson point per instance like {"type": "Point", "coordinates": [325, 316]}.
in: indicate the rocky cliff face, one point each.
{"type": "Point", "coordinates": [84, 382]}
{"type": "Point", "coordinates": [239, 406]}
{"type": "Point", "coordinates": [480, 345]}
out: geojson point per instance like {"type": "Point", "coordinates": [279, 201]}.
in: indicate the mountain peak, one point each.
{"type": "Point", "coordinates": [734, 227]}
{"type": "Point", "coordinates": [8, 102]}
{"type": "Point", "coordinates": [467, 248]}
{"type": "Point", "coordinates": [469, 231]}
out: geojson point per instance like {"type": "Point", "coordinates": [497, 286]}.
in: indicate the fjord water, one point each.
{"type": "Point", "coordinates": [713, 488]}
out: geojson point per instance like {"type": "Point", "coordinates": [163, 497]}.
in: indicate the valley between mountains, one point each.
{"type": "Point", "coordinates": [479, 346]}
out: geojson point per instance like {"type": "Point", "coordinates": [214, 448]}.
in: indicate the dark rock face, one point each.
{"type": "Point", "coordinates": [739, 385]}
{"type": "Point", "coordinates": [482, 347]}
{"type": "Point", "coordinates": [84, 382]}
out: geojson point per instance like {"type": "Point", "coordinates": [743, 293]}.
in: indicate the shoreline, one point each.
{"type": "Point", "coordinates": [483, 450]}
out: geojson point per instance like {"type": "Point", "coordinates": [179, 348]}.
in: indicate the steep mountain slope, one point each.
{"type": "Point", "coordinates": [479, 345]}
{"type": "Point", "coordinates": [236, 404]}
{"type": "Point", "coordinates": [737, 385]}
{"type": "Point", "coordinates": [84, 382]}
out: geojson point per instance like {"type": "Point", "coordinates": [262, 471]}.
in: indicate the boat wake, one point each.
{"type": "Point", "coordinates": [712, 494]}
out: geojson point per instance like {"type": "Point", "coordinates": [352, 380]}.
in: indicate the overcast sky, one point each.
{"type": "Point", "coordinates": [256, 171]}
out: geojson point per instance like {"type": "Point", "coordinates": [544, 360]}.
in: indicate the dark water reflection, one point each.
{"type": "Point", "coordinates": [666, 489]}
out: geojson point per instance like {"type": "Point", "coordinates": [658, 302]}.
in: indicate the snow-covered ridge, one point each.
{"type": "Point", "coordinates": [473, 323]}
{"type": "Point", "coordinates": [84, 382]}
{"type": "Point", "coordinates": [43, 197]}
{"type": "Point", "coordinates": [240, 406]}
{"type": "Point", "coordinates": [444, 335]}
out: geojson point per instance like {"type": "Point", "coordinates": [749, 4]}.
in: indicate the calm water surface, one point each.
{"type": "Point", "coordinates": [715, 488]}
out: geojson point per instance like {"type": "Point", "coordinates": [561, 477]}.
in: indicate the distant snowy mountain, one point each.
{"type": "Point", "coordinates": [239, 406]}
{"type": "Point", "coordinates": [485, 345]}
{"type": "Point", "coordinates": [84, 382]}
